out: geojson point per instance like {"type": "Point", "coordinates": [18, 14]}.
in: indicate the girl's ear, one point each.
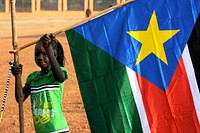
{"type": "Point", "coordinates": [55, 54]}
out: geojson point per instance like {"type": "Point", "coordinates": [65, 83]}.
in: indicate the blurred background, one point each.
{"type": "Point", "coordinates": [33, 6]}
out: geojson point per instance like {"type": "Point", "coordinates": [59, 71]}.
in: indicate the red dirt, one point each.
{"type": "Point", "coordinates": [30, 29]}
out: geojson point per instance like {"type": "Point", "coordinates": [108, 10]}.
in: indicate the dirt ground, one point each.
{"type": "Point", "coordinates": [29, 29]}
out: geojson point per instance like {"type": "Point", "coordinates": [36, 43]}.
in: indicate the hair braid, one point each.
{"type": "Point", "coordinates": [60, 52]}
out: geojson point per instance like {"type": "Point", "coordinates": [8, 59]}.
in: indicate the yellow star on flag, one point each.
{"type": "Point", "coordinates": [152, 40]}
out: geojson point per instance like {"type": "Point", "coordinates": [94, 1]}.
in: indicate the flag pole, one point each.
{"type": "Point", "coordinates": [76, 24]}
{"type": "Point", "coordinates": [18, 82]}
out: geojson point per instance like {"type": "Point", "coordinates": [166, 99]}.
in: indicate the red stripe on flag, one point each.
{"type": "Point", "coordinates": [172, 111]}
{"type": "Point", "coordinates": [181, 102]}
{"type": "Point", "coordinates": [156, 107]}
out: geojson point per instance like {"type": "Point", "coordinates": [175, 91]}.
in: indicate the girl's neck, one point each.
{"type": "Point", "coordinates": [44, 71]}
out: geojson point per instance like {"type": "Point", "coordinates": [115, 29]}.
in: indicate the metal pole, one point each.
{"type": "Point", "coordinates": [18, 82]}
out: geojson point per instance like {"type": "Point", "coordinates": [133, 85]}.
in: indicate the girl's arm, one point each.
{"type": "Point", "coordinates": [58, 74]}
{"type": "Point", "coordinates": [26, 90]}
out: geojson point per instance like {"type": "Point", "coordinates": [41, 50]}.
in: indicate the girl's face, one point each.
{"type": "Point", "coordinates": [41, 58]}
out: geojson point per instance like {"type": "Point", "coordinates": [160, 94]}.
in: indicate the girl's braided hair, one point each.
{"type": "Point", "coordinates": [56, 45]}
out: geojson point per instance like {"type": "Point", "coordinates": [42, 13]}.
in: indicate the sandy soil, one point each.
{"type": "Point", "coordinates": [30, 29]}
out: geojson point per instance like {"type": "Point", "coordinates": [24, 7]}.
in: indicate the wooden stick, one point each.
{"type": "Point", "coordinates": [76, 24]}
{"type": "Point", "coordinates": [18, 82]}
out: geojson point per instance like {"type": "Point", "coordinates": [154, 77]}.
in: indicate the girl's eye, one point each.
{"type": "Point", "coordinates": [37, 54]}
{"type": "Point", "coordinates": [40, 53]}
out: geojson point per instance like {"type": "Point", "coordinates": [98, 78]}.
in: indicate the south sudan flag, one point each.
{"type": "Point", "coordinates": [138, 67]}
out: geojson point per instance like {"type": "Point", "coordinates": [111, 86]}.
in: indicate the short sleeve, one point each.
{"type": "Point", "coordinates": [65, 71]}
{"type": "Point", "coordinates": [30, 77]}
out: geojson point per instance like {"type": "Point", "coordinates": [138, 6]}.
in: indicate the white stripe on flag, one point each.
{"type": "Point", "coordinates": [138, 100]}
{"type": "Point", "coordinates": [192, 80]}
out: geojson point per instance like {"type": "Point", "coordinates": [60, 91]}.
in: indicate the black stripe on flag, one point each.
{"type": "Point", "coordinates": [194, 49]}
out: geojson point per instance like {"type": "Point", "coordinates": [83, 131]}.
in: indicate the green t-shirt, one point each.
{"type": "Point", "coordinates": [46, 102]}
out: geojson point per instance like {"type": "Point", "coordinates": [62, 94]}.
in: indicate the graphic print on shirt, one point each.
{"type": "Point", "coordinates": [42, 103]}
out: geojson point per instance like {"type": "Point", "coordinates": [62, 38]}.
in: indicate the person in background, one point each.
{"type": "Point", "coordinates": [88, 13]}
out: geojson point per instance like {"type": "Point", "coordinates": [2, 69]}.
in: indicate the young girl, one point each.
{"type": "Point", "coordinates": [45, 87]}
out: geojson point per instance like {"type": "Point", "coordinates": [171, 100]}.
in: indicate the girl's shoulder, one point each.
{"type": "Point", "coordinates": [33, 74]}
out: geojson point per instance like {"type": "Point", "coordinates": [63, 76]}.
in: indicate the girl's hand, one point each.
{"type": "Point", "coordinates": [46, 40]}
{"type": "Point", "coordinates": [52, 36]}
{"type": "Point", "coordinates": [16, 69]}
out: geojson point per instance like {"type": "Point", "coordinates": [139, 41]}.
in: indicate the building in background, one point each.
{"type": "Point", "coordinates": [37, 6]}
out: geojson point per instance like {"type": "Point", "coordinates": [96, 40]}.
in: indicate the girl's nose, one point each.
{"type": "Point", "coordinates": [40, 57]}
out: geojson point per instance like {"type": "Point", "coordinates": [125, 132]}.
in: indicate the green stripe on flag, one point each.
{"type": "Point", "coordinates": [105, 88]}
